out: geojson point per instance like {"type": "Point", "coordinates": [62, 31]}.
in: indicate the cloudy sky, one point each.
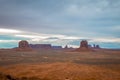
{"type": "Point", "coordinates": [60, 22]}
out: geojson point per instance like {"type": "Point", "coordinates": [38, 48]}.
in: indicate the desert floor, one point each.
{"type": "Point", "coordinates": [61, 64]}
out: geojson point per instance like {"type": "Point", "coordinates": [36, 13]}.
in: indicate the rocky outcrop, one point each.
{"type": "Point", "coordinates": [57, 47]}
{"type": "Point", "coordinates": [66, 47]}
{"type": "Point", "coordinates": [96, 46]}
{"type": "Point", "coordinates": [23, 45]}
{"type": "Point", "coordinates": [40, 46]}
{"type": "Point", "coordinates": [84, 46]}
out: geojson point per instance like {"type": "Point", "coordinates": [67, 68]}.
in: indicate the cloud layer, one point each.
{"type": "Point", "coordinates": [12, 37]}
{"type": "Point", "coordinates": [61, 21]}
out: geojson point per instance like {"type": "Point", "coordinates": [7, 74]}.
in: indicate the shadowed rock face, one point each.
{"type": "Point", "coordinates": [66, 47]}
{"type": "Point", "coordinates": [23, 44]}
{"type": "Point", "coordinates": [83, 44]}
{"type": "Point", "coordinates": [40, 46]}
{"type": "Point", "coordinates": [97, 46]}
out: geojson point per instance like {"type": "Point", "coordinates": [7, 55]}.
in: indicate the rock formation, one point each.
{"type": "Point", "coordinates": [96, 46]}
{"type": "Point", "coordinates": [89, 46]}
{"type": "Point", "coordinates": [66, 47]}
{"type": "Point", "coordinates": [57, 47]}
{"type": "Point", "coordinates": [23, 45]}
{"type": "Point", "coordinates": [84, 46]}
{"type": "Point", "coordinates": [40, 46]}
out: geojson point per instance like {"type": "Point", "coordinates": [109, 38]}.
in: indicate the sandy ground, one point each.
{"type": "Point", "coordinates": [59, 65]}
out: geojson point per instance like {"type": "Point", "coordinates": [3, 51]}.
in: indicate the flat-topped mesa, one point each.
{"type": "Point", "coordinates": [40, 46]}
{"type": "Point", "coordinates": [23, 45]}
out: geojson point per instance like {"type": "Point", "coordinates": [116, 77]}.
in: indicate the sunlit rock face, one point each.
{"type": "Point", "coordinates": [23, 45]}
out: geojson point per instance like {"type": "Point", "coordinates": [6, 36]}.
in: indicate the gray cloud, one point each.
{"type": "Point", "coordinates": [82, 18]}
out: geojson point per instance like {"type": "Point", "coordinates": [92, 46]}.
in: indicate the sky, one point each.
{"type": "Point", "coordinates": [60, 22]}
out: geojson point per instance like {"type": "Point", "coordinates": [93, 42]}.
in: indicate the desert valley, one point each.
{"type": "Point", "coordinates": [59, 39]}
{"type": "Point", "coordinates": [83, 63]}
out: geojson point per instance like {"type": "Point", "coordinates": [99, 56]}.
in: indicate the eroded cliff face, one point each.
{"type": "Point", "coordinates": [84, 46]}
{"type": "Point", "coordinates": [23, 45]}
